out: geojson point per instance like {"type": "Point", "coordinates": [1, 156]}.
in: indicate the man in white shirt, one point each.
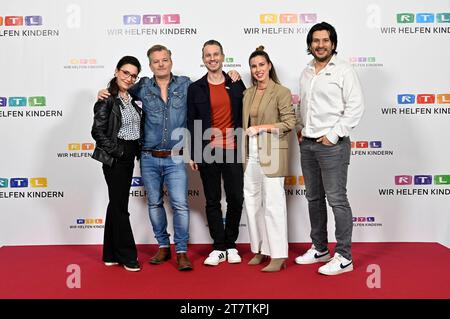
{"type": "Point", "coordinates": [331, 106]}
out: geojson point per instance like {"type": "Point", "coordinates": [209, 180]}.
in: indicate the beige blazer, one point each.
{"type": "Point", "coordinates": [275, 108]}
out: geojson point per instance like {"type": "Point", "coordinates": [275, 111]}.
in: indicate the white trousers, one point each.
{"type": "Point", "coordinates": [265, 205]}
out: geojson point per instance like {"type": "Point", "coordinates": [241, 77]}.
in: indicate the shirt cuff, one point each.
{"type": "Point", "coordinates": [332, 137]}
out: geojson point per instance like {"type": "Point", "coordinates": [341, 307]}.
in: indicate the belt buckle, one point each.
{"type": "Point", "coordinates": [163, 154]}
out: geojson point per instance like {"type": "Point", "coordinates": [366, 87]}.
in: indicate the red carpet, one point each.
{"type": "Point", "coordinates": [408, 270]}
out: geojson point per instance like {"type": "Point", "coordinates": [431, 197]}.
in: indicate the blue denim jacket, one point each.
{"type": "Point", "coordinates": [160, 118]}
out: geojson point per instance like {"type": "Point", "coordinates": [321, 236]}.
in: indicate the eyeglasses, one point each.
{"type": "Point", "coordinates": [127, 74]}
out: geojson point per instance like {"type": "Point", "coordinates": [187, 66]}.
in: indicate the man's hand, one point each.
{"type": "Point", "coordinates": [324, 141]}
{"type": "Point", "coordinates": [103, 94]}
{"type": "Point", "coordinates": [193, 165]}
{"type": "Point", "coordinates": [299, 137]}
{"type": "Point", "coordinates": [234, 75]}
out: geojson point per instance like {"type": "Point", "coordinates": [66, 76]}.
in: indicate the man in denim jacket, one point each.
{"type": "Point", "coordinates": [164, 104]}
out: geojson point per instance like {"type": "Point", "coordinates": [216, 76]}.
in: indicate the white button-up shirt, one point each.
{"type": "Point", "coordinates": [331, 101]}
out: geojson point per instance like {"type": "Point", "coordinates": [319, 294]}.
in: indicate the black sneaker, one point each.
{"type": "Point", "coordinates": [132, 266]}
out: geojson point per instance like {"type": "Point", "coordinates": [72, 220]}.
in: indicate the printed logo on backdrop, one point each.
{"type": "Point", "coordinates": [418, 185]}
{"type": "Point", "coordinates": [138, 190]}
{"type": "Point", "coordinates": [412, 23]}
{"type": "Point", "coordinates": [230, 62]}
{"type": "Point", "coordinates": [151, 24]}
{"type": "Point", "coordinates": [77, 150]}
{"type": "Point", "coordinates": [88, 224]}
{"type": "Point", "coordinates": [23, 106]}
{"type": "Point", "coordinates": [365, 221]}
{"type": "Point", "coordinates": [419, 104]}
{"type": "Point", "coordinates": [27, 187]}
{"type": "Point", "coordinates": [294, 185]}
{"type": "Point", "coordinates": [282, 23]}
{"type": "Point", "coordinates": [370, 148]}
{"type": "Point", "coordinates": [83, 64]}
{"type": "Point", "coordinates": [25, 26]}
{"type": "Point", "coordinates": [364, 62]}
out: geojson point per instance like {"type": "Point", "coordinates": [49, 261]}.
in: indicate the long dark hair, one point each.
{"type": "Point", "coordinates": [113, 88]}
{"type": "Point", "coordinates": [272, 73]}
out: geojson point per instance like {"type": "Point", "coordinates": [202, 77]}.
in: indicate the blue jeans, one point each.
{"type": "Point", "coordinates": [325, 172]}
{"type": "Point", "coordinates": [155, 173]}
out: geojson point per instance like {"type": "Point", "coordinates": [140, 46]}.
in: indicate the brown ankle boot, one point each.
{"type": "Point", "coordinates": [257, 259]}
{"type": "Point", "coordinates": [276, 264]}
{"type": "Point", "coordinates": [183, 262]}
{"type": "Point", "coordinates": [161, 256]}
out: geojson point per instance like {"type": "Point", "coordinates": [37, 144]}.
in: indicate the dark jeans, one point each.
{"type": "Point", "coordinates": [118, 240]}
{"type": "Point", "coordinates": [325, 172]}
{"type": "Point", "coordinates": [223, 232]}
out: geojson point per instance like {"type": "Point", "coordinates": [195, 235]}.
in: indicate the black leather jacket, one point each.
{"type": "Point", "coordinates": [107, 122]}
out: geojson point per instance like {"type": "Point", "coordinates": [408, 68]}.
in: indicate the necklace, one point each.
{"type": "Point", "coordinates": [125, 99]}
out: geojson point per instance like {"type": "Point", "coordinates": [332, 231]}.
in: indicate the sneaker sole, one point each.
{"type": "Point", "coordinates": [319, 260]}
{"type": "Point", "coordinates": [337, 272]}
{"type": "Point", "coordinates": [131, 269]}
{"type": "Point", "coordinates": [234, 261]}
{"type": "Point", "coordinates": [213, 264]}
{"type": "Point", "coordinates": [109, 264]}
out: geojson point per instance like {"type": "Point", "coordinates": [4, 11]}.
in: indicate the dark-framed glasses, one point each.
{"type": "Point", "coordinates": [128, 75]}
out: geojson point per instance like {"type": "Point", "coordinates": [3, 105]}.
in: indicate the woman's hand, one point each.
{"type": "Point", "coordinates": [252, 131]}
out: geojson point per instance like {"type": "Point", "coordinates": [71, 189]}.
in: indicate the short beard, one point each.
{"type": "Point", "coordinates": [325, 59]}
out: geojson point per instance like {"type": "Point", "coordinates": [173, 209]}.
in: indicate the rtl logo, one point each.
{"type": "Point", "coordinates": [89, 221]}
{"type": "Point", "coordinates": [15, 21]}
{"type": "Point", "coordinates": [134, 19]}
{"type": "Point", "coordinates": [14, 101]}
{"type": "Point", "coordinates": [83, 61]}
{"type": "Point", "coordinates": [362, 219]}
{"type": "Point", "coordinates": [294, 180]}
{"type": "Point", "coordinates": [423, 98]}
{"type": "Point", "coordinates": [422, 179]}
{"type": "Point", "coordinates": [366, 144]}
{"type": "Point", "coordinates": [426, 17]}
{"type": "Point", "coordinates": [23, 182]}
{"type": "Point", "coordinates": [287, 18]}
{"type": "Point", "coordinates": [359, 59]}
{"type": "Point", "coordinates": [80, 146]}
{"type": "Point", "coordinates": [137, 181]}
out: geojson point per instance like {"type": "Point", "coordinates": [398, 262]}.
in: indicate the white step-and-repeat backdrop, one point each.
{"type": "Point", "coordinates": [56, 54]}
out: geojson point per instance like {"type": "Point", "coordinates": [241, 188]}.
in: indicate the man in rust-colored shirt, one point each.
{"type": "Point", "coordinates": [214, 114]}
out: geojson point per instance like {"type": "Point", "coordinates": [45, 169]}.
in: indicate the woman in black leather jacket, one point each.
{"type": "Point", "coordinates": [117, 133]}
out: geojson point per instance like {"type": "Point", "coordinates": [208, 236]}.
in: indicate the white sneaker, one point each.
{"type": "Point", "coordinates": [313, 256]}
{"type": "Point", "coordinates": [336, 266]}
{"type": "Point", "coordinates": [233, 256]}
{"type": "Point", "coordinates": [110, 263]}
{"type": "Point", "coordinates": [215, 257]}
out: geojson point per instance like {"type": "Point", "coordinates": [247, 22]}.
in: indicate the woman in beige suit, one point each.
{"type": "Point", "coordinates": [268, 117]}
